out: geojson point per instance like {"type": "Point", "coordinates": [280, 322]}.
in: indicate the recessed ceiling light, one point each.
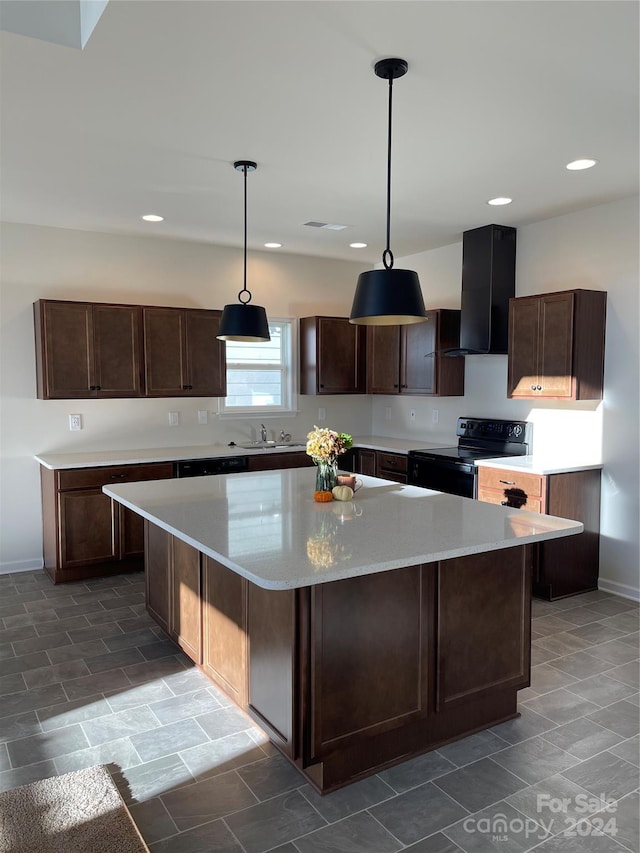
{"type": "Point", "coordinates": [500, 200]}
{"type": "Point", "coordinates": [577, 165]}
{"type": "Point", "coordinates": [273, 245]}
{"type": "Point", "coordinates": [152, 217]}
{"type": "Point", "coordinates": [358, 245]}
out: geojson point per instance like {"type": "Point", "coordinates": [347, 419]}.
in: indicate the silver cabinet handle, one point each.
{"type": "Point", "coordinates": [508, 482]}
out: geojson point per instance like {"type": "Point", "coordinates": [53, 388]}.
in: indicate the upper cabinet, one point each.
{"type": "Point", "coordinates": [87, 350]}
{"type": "Point", "coordinates": [409, 359]}
{"type": "Point", "coordinates": [332, 356]}
{"type": "Point", "coordinates": [556, 345]}
{"type": "Point", "coordinates": [182, 355]}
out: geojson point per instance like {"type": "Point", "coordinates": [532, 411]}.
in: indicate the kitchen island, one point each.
{"type": "Point", "coordinates": [357, 633]}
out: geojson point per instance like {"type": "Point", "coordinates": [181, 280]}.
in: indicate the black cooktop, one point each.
{"type": "Point", "coordinates": [457, 454]}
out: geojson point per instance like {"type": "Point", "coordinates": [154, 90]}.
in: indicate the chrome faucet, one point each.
{"type": "Point", "coordinates": [263, 432]}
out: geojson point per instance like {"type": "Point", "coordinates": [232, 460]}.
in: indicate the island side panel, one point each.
{"type": "Point", "coordinates": [225, 628]}
{"type": "Point", "coordinates": [272, 623]}
{"type": "Point", "coordinates": [482, 639]}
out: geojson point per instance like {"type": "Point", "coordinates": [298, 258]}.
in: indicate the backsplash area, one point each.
{"type": "Point", "coordinates": [557, 428]}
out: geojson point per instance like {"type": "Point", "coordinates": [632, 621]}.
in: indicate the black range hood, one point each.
{"type": "Point", "coordinates": [488, 282]}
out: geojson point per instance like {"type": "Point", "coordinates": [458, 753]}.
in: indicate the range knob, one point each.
{"type": "Point", "coordinates": [516, 430]}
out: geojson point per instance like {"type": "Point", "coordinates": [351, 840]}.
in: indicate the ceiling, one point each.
{"type": "Point", "coordinates": [166, 94]}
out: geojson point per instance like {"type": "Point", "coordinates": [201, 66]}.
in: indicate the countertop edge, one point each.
{"type": "Point", "coordinates": [344, 574]}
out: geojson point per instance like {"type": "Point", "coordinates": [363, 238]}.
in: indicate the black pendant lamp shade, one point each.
{"type": "Point", "coordinates": [388, 296]}
{"type": "Point", "coordinates": [241, 321]}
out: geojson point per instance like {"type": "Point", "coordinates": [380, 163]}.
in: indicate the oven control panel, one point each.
{"type": "Point", "coordinates": [516, 432]}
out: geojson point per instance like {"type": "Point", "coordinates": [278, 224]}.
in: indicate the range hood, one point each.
{"type": "Point", "coordinates": [488, 282]}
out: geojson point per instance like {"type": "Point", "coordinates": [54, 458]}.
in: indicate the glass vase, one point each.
{"type": "Point", "coordinates": [326, 475]}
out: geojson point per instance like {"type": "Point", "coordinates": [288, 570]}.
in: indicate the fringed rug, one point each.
{"type": "Point", "coordinates": [79, 812]}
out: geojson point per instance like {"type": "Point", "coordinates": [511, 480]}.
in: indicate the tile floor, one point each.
{"type": "Point", "coordinates": [87, 678]}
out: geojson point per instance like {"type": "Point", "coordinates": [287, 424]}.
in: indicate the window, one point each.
{"type": "Point", "coordinates": [260, 376]}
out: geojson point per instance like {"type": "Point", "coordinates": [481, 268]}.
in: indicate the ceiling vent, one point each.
{"type": "Point", "coordinates": [326, 225]}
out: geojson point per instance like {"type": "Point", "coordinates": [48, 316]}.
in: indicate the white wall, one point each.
{"type": "Point", "coordinates": [55, 263]}
{"type": "Point", "coordinates": [594, 249]}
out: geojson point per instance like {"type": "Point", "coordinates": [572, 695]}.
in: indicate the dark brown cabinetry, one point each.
{"type": "Point", "coordinates": [409, 359]}
{"type": "Point", "coordinates": [562, 566]}
{"type": "Point", "coordinates": [173, 589]}
{"type": "Point", "coordinates": [391, 466]}
{"type": "Point", "coordinates": [262, 462]}
{"type": "Point", "coordinates": [87, 350]}
{"type": "Point", "coordinates": [351, 676]}
{"type": "Point", "coordinates": [556, 345]}
{"type": "Point", "coordinates": [85, 533]}
{"type": "Point", "coordinates": [332, 356]}
{"type": "Point", "coordinates": [379, 463]}
{"type": "Point", "coordinates": [182, 356]}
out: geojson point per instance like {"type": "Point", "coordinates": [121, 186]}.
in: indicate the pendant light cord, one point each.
{"type": "Point", "coordinates": [387, 255]}
{"type": "Point", "coordinates": [245, 289]}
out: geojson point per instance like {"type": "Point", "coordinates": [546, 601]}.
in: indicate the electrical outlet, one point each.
{"type": "Point", "coordinates": [322, 413]}
{"type": "Point", "coordinates": [174, 419]}
{"type": "Point", "coordinates": [75, 422]}
{"type": "Point", "coordinates": [203, 416]}
{"type": "Point", "coordinates": [387, 413]}
{"type": "Point", "coordinates": [412, 414]}
{"type": "Point", "coordinates": [435, 416]}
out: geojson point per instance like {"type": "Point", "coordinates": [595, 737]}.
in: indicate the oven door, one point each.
{"type": "Point", "coordinates": [454, 478]}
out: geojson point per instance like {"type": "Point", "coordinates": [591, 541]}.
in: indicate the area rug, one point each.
{"type": "Point", "coordinates": [79, 812]}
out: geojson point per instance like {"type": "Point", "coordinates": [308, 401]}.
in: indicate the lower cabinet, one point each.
{"type": "Point", "coordinates": [264, 462]}
{"type": "Point", "coordinates": [173, 588]}
{"type": "Point", "coordinates": [350, 676]}
{"type": "Point", "coordinates": [563, 566]}
{"type": "Point", "coordinates": [378, 463]}
{"type": "Point", "coordinates": [85, 533]}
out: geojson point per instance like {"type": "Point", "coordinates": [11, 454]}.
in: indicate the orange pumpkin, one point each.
{"type": "Point", "coordinates": [322, 497]}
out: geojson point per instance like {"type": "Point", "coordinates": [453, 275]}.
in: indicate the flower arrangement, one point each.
{"type": "Point", "coordinates": [325, 445]}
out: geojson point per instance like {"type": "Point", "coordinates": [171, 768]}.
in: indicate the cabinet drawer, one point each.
{"type": "Point", "coordinates": [87, 478]}
{"type": "Point", "coordinates": [517, 501]}
{"type": "Point", "coordinates": [391, 462]}
{"type": "Point", "coordinates": [496, 478]}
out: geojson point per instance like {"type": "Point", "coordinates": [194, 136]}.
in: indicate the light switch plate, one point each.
{"type": "Point", "coordinates": [203, 416]}
{"type": "Point", "coordinates": [174, 419]}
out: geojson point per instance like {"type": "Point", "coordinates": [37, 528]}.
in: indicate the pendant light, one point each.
{"type": "Point", "coordinates": [388, 296]}
{"type": "Point", "coordinates": [244, 322]}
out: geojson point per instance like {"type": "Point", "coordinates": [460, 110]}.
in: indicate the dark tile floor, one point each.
{"type": "Point", "coordinates": [87, 678]}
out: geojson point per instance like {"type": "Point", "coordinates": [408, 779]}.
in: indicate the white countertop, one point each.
{"type": "Point", "coordinates": [100, 458]}
{"type": "Point", "coordinates": [267, 527]}
{"type": "Point", "coordinates": [538, 465]}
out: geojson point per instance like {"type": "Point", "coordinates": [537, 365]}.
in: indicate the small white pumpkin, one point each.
{"type": "Point", "coordinates": [342, 493]}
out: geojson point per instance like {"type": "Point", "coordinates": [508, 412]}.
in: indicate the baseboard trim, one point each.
{"type": "Point", "coordinates": [21, 566]}
{"type": "Point", "coordinates": [620, 589]}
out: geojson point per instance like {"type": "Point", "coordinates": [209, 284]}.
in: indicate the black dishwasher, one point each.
{"type": "Point", "coordinates": [205, 467]}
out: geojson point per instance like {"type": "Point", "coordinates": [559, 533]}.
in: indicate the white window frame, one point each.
{"type": "Point", "coordinates": [289, 378]}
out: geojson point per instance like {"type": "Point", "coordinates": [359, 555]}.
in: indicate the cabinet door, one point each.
{"type": "Point", "coordinates": [523, 377]}
{"type": "Point", "coordinates": [332, 356]}
{"type": "Point", "coordinates": [383, 359]}
{"type": "Point", "coordinates": [224, 625]}
{"type": "Point", "coordinates": [366, 462]}
{"type": "Point", "coordinates": [64, 350]}
{"type": "Point", "coordinates": [186, 622]}
{"type": "Point", "coordinates": [206, 356]}
{"type": "Point", "coordinates": [157, 574]}
{"type": "Point", "coordinates": [556, 345]}
{"type": "Point", "coordinates": [117, 350]}
{"type": "Point", "coordinates": [131, 534]}
{"type": "Point", "coordinates": [164, 352]}
{"type": "Point", "coordinates": [87, 528]}
{"type": "Point", "coordinates": [418, 361]}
